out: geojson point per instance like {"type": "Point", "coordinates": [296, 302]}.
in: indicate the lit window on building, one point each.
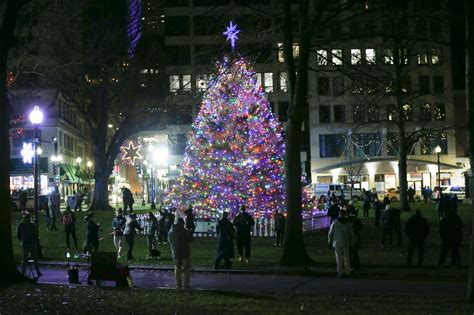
{"type": "Point", "coordinates": [322, 57]}
{"type": "Point", "coordinates": [201, 82]}
{"type": "Point", "coordinates": [281, 53]}
{"type": "Point", "coordinates": [356, 56]}
{"type": "Point", "coordinates": [174, 83]}
{"type": "Point", "coordinates": [370, 56]}
{"type": "Point", "coordinates": [186, 83]}
{"type": "Point", "coordinates": [283, 82]}
{"type": "Point", "coordinates": [268, 82]}
{"type": "Point", "coordinates": [388, 56]}
{"type": "Point", "coordinates": [435, 56]}
{"type": "Point", "coordinates": [407, 110]}
{"type": "Point", "coordinates": [422, 57]}
{"type": "Point", "coordinates": [336, 57]}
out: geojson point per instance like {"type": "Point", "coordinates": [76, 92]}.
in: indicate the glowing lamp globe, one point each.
{"type": "Point", "coordinates": [36, 116]}
{"type": "Point", "coordinates": [437, 149]}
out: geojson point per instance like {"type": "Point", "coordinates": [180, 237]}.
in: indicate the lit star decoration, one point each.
{"type": "Point", "coordinates": [130, 153]}
{"type": "Point", "coordinates": [231, 33]}
{"type": "Point", "coordinates": [27, 153]}
{"type": "Point", "coordinates": [235, 150]}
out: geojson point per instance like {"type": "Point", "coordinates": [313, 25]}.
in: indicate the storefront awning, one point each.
{"type": "Point", "coordinates": [68, 173]}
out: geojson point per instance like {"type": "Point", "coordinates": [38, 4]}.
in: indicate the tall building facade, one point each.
{"type": "Point", "coordinates": [350, 132]}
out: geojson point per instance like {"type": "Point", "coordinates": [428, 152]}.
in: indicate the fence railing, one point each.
{"type": "Point", "coordinates": [264, 227]}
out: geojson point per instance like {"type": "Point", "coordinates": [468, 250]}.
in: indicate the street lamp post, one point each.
{"type": "Point", "coordinates": [152, 178]}
{"type": "Point", "coordinates": [143, 165]}
{"type": "Point", "coordinates": [89, 173]}
{"type": "Point", "coordinates": [36, 118]}
{"type": "Point", "coordinates": [78, 161]}
{"type": "Point", "coordinates": [438, 151]}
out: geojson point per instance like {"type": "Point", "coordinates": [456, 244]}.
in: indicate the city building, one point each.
{"type": "Point", "coordinates": [349, 137]}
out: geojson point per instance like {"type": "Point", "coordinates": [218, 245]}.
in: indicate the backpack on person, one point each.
{"type": "Point", "coordinates": [67, 219]}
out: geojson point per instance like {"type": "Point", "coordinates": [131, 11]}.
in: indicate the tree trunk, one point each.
{"type": "Point", "coordinates": [402, 169]}
{"type": "Point", "coordinates": [102, 171]}
{"type": "Point", "coordinates": [470, 109]}
{"type": "Point", "coordinates": [9, 274]}
{"type": "Point", "coordinates": [294, 252]}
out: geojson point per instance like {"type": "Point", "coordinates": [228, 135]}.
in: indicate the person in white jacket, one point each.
{"type": "Point", "coordinates": [341, 237]}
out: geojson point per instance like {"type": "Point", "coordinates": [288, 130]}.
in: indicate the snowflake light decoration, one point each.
{"type": "Point", "coordinates": [231, 33]}
{"type": "Point", "coordinates": [131, 152]}
{"type": "Point", "coordinates": [27, 153]}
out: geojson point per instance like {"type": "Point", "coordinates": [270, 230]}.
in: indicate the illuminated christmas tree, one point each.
{"type": "Point", "coordinates": [235, 151]}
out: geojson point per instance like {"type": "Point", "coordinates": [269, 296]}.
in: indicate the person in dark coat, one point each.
{"type": "Point", "coordinates": [387, 226]}
{"type": "Point", "coordinates": [189, 221]}
{"type": "Point", "coordinates": [385, 202]}
{"type": "Point", "coordinates": [128, 201]}
{"type": "Point", "coordinates": [169, 219]}
{"type": "Point", "coordinates": [442, 205]}
{"type": "Point", "coordinates": [411, 195]}
{"type": "Point", "coordinates": [280, 221]}
{"type": "Point", "coordinates": [333, 211]}
{"type": "Point", "coordinates": [397, 225]}
{"type": "Point", "coordinates": [131, 228]}
{"type": "Point", "coordinates": [366, 204]}
{"type": "Point", "coordinates": [69, 222]}
{"type": "Point", "coordinates": [450, 230]}
{"type": "Point", "coordinates": [92, 233]}
{"type": "Point", "coordinates": [180, 243]}
{"type": "Point", "coordinates": [243, 223]}
{"type": "Point", "coordinates": [27, 234]}
{"type": "Point", "coordinates": [162, 229]}
{"type": "Point", "coordinates": [357, 226]}
{"type": "Point", "coordinates": [377, 212]}
{"type": "Point", "coordinates": [417, 230]}
{"type": "Point", "coordinates": [225, 242]}
{"type": "Point", "coordinates": [23, 199]}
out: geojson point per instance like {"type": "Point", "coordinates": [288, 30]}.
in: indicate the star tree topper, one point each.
{"type": "Point", "coordinates": [231, 33]}
{"type": "Point", "coordinates": [131, 153]}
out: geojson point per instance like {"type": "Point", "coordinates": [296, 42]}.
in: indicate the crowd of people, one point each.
{"type": "Point", "coordinates": [345, 230]}
{"type": "Point", "coordinates": [177, 227]}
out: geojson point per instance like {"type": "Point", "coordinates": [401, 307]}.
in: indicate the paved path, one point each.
{"type": "Point", "coordinates": [277, 283]}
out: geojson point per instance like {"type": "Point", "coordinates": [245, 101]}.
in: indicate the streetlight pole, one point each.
{"type": "Point", "coordinates": [143, 164]}
{"type": "Point", "coordinates": [438, 151]}
{"type": "Point", "coordinates": [78, 161]}
{"type": "Point", "coordinates": [36, 118]}
{"type": "Point", "coordinates": [152, 178]}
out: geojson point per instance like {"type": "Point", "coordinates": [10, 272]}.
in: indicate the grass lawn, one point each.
{"type": "Point", "coordinates": [28, 298]}
{"type": "Point", "coordinates": [376, 262]}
